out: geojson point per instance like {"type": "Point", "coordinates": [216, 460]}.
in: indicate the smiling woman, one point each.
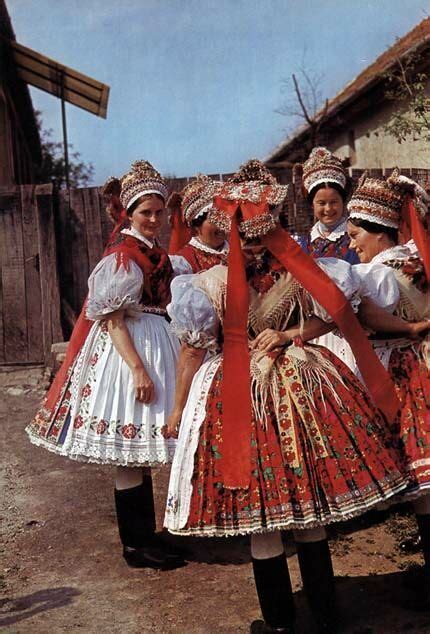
{"type": "Point", "coordinates": [369, 238]}
{"type": "Point", "coordinates": [325, 183]}
{"type": "Point", "coordinates": [146, 215]}
{"type": "Point", "coordinates": [115, 390]}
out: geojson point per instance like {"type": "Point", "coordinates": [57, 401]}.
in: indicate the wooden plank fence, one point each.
{"type": "Point", "coordinates": [29, 289]}
{"type": "Point", "coordinates": [50, 242]}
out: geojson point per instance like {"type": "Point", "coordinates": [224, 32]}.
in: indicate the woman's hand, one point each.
{"type": "Point", "coordinates": [143, 386]}
{"type": "Point", "coordinates": [418, 328]}
{"type": "Point", "coordinates": [269, 339]}
{"type": "Point", "coordinates": [171, 430]}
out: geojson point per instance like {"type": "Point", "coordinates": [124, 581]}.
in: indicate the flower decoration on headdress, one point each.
{"type": "Point", "coordinates": [323, 167]}
{"type": "Point", "coordinates": [255, 190]}
{"type": "Point", "coordinates": [197, 197]}
{"type": "Point", "coordinates": [121, 193]}
{"type": "Point", "coordinates": [381, 201]}
{"type": "Point", "coordinates": [409, 186]}
{"type": "Point", "coordinates": [142, 179]}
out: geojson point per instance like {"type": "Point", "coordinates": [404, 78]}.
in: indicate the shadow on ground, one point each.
{"type": "Point", "coordinates": [16, 610]}
{"type": "Point", "coordinates": [364, 609]}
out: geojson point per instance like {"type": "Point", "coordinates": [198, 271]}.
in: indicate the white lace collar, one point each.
{"type": "Point", "coordinates": [135, 233]}
{"type": "Point", "coordinates": [337, 233]}
{"type": "Point", "coordinates": [195, 242]}
{"type": "Point", "coordinates": [398, 252]}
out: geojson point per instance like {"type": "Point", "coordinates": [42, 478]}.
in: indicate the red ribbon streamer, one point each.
{"type": "Point", "coordinates": [180, 235]}
{"type": "Point", "coordinates": [419, 234]}
{"type": "Point", "coordinates": [236, 384]}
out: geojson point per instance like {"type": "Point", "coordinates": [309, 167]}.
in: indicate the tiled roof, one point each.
{"type": "Point", "coordinates": [415, 39]}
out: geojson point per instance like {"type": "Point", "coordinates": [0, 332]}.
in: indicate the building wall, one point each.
{"type": "Point", "coordinates": [20, 149]}
{"type": "Point", "coordinates": [368, 146]}
{"type": "Point", "coordinates": [6, 153]}
{"type": "Point", "coordinates": [16, 165]}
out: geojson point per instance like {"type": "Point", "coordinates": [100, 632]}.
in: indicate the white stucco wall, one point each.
{"type": "Point", "coordinates": [374, 148]}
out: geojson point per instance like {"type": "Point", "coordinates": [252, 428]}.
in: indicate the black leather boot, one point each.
{"type": "Point", "coordinates": [420, 586]}
{"type": "Point", "coordinates": [275, 594]}
{"type": "Point", "coordinates": [318, 583]}
{"type": "Point", "coordinates": [411, 545]}
{"type": "Point", "coordinates": [136, 523]}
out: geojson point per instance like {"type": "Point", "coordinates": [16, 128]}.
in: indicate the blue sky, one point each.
{"type": "Point", "coordinates": [195, 84]}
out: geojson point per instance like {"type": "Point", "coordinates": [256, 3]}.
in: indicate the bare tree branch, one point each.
{"type": "Point", "coordinates": [300, 100]}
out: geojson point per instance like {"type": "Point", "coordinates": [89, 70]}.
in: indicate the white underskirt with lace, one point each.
{"type": "Point", "coordinates": [108, 425]}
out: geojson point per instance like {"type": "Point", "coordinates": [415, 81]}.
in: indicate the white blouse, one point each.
{"type": "Point", "coordinates": [194, 320]}
{"type": "Point", "coordinates": [112, 287]}
{"type": "Point", "coordinates": [180, 265]}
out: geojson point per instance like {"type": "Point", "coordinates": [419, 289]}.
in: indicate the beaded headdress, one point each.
{"type": "Point", "coordinates": [323, 167]}
{"type": "Point", "coordinates": [381, 201]}
{"type": "Point", "coordinates": [252, 183]}
{"type": "Point", "coordinates": [142, 179]}
{"type": "Point", "coordinates": [197, 197]}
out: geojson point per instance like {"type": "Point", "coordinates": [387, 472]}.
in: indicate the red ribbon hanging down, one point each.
{"type": "Point", "coordinates": [420, 236]}
{"type": "Point", "coordinates": [180, 235]}
{"type": "Point", "coordinates": [235, 461]}
{"type": "Point", "coordinates": [326, 293]}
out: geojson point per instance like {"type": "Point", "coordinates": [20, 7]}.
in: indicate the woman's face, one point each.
{"type": "Point", "coordinates": [365, 244]}
{"type": "Point", "coordinates": [147, 217]}
{"type": "Point", "coordinates": [328, 206]}
{"type": "Point", "coordinates": [209, 234]}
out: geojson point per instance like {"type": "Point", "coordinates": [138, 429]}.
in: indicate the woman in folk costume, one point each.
{"type": "Point", "coordinates": [269, 441]}
{"type": "Point", "coordinates": [208, 245]}
{"type": "Point", "coordinates": [114, 391]}
{"type": "Point", "coordinates": [377, 210]}
{"type": "Point", "coordinates": [325, 184]}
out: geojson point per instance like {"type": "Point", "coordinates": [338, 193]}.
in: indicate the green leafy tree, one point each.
{"type": "Point", "coordinates": [52, 169]}
{"type": "Point", "coordinates": [407, 88]}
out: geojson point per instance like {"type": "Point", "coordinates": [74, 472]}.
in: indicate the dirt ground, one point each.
{"type": "Point", "coordinates": [61, 567]}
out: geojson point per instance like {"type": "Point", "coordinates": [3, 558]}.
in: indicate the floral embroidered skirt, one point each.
{"type": "Point", "coordinates": [321, 455]}
{"type": "Point", "coordinates": [99, 419]}
{"type": "Point", "coordinates": [412, 432]}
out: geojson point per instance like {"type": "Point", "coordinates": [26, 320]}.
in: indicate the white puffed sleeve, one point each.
{"type": "Point", "coordinates": [378, 283]}
{"type": "Point", "coordinates": [194, 320]}
{"type": "Point", "coordinates": [340, 272]}
{"type": "Point", "coordinates": [112, 287]}
{"type": "Point", "coordinates": [180, 265]}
